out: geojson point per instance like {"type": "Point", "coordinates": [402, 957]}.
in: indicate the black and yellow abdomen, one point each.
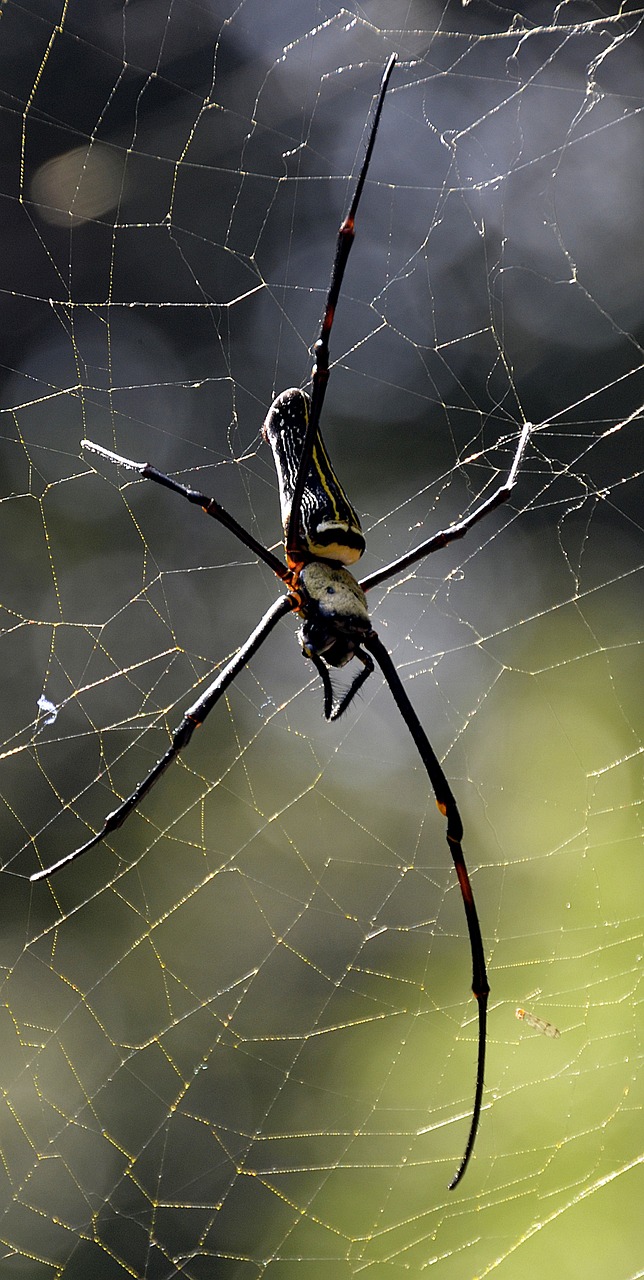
{"type": "Point", "coordinates": [329, 528]}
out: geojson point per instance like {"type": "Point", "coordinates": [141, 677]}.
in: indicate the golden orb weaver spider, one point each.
{"type": "Point", "coordinates": [323, 536]}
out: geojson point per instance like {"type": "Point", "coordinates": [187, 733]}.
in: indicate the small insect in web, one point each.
{"type": "Point", "coordinates": [537, 1024]}
{"type": "Point", "coordinates": [322, 537]}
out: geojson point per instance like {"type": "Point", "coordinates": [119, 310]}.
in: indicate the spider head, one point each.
{"type": "Point", "coordinates": [334, 608]}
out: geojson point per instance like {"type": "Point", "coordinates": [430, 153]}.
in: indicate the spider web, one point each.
{"type": "Point", "coordinates": [238, 1040]}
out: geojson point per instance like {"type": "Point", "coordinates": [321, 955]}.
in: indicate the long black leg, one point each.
{"type": "Point", "coordinates": [321, 348]}
{"type": "Point", "coordinates": [447, 805]}
{"type": "Point", "coordinates": [457, 530]}
{"type": "Point", "coordinates": [195, 715]}
{"type": "Point", "coordinates": [209, 505]}
{"type": "Point", "coordinates": [333, 710]}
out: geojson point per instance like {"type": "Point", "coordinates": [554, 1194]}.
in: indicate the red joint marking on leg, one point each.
{"type": "Point", "coordinates": [464, 881]}
{"type": "Point", "coordinates": [296, 565]}
{"type": "Point", "coordinates": [328, 320]}
{"type": "Point", "coordinates": [442, 808]}
{"type": "Point", "coordinates": [294, 589]}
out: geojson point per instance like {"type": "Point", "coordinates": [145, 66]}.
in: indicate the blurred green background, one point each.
{"type": "Point", "coordinates": [239, 1039]}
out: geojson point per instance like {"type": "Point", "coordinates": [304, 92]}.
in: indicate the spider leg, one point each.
{"type": "Point", "coordinates": [321, 349]}
{"type": "Point", "coordinates": [323, 672]}
{"type": "Point", "coordinates": [209, 505]}
{"type": "Point", "coordinates": [458, 530]}
{"type": "Point", "coordinates": [447, 805]}
{"type": "Point", "coordinates": [333, 710]}
{"type": "Point", "coordinates": [194, 716]}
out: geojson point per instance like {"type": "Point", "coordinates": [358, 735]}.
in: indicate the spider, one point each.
{"type": "Point", "coordinates": [322, 536]}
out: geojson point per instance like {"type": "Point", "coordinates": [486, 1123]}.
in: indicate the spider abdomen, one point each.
{"type": "Point", "coordinates": [328, 526]}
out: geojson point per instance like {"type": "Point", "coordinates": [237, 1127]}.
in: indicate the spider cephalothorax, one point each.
{"type": "Point", "coordinates": [336, 625]}
{"type": "Point", "coordinates": [336, 618]}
